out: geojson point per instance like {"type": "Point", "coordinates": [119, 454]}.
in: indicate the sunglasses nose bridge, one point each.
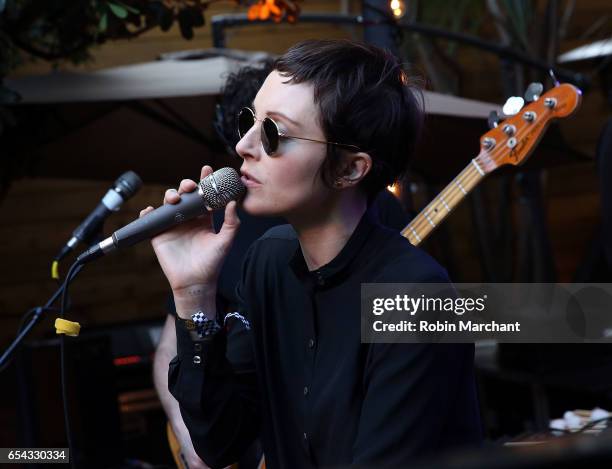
{"type": "Point", "coordinates": [250, 144]}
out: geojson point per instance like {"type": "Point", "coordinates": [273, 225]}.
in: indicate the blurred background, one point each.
{"type": "Point", "coordinates": [89, 90]}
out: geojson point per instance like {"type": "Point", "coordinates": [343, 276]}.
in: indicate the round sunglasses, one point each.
{"type": "Point", "coordinates": [270, 135]}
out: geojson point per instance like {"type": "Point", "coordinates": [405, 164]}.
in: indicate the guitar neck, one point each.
{"type": "Point", "coordinates": [508, 142]}
{"type": "Point", "coordinates": [444, 203]}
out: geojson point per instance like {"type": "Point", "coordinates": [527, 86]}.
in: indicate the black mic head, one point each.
{"type": "Point", "coordinates": [221, 187]}
{"type": "Point", "coordinates": [128, 184]}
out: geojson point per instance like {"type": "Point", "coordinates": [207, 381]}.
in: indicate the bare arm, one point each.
{"type": "Point", "coordinates": [165, 352]}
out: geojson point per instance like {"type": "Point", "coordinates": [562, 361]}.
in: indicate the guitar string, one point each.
{"type": "Point", "coordinates": [464, 180]}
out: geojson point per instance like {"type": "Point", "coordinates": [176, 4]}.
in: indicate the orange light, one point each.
{"type": "Point", "coordinates": [393, 189]}
{"type": "Point", "coordinates": [398, 8]}
{"type": "Point", "coordinates": [273, 9]}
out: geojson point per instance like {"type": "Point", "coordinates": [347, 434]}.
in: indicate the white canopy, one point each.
{"type": "Point", "coordinates": [181, 78]}
{"type": "Point", "coordinates": [598, 49]}
{"type": "Point", "coordinates": [135, 116]}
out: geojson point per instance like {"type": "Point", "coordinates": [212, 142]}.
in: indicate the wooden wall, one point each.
{"type": "Point", "coordinates": [38, 217]}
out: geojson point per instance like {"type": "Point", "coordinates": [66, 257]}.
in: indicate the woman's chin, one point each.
{"type": "Point", "coordinates": [258, 207]}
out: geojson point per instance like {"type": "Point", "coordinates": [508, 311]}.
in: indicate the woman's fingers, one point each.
{"type": "Point", "coordinates": [171, 196]}
{"type": "Point", "coordinates": [231, 222]}
{"type": "Point", "coordinates": [144, 211]}
{"type": "Point", "coordinates": [187, 185]}
{"type": "Point", "coordinates": [206, 170]}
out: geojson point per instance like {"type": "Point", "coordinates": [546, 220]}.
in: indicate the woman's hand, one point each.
{"type": "Point", "coordinates": [191, 253]}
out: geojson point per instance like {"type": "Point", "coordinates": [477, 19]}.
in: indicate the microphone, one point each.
{"type": "Point", "coordinates": [124, 187]}
{"type": "Point", "coordinates": [214, 191]}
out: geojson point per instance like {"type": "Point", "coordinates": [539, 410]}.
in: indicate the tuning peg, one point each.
{"type": "Point", "coordinates": [533, 92]}
{"type": "Point", "coordinates": [493, 119]}
{"type": "Point", "coordinates": [513, 105]}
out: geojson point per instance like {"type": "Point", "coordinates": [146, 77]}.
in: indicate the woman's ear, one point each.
{"type": "Point", "coordinates": [356, 167]}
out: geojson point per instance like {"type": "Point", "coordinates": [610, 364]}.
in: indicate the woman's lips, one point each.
{"type": "Point", "coordinates": [249, 181]}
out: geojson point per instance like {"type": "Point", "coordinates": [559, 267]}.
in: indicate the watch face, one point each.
{"type": "Point", "coordinates": [190, 325]}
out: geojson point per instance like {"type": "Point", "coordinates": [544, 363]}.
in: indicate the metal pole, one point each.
{"type": "Point", "coordinates": [380, 28]}
{"type": "Point", "coordinates": [220, 22]}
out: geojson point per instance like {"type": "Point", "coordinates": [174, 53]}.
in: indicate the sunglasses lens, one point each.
{"type": "Point", "coordinates": [269, 136]}
{"type": "Point", "coordinates": [246, 120]}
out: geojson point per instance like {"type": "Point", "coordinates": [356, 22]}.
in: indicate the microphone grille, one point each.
{"type": "Point", "coordinates": [221, 187]}
{"type": "Point", "coordinates": [128, 184]}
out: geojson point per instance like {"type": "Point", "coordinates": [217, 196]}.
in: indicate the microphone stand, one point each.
{"type": "Point", "coordinates": [25, 330]}
{"type": "Point", "coordinates": [39, 310]}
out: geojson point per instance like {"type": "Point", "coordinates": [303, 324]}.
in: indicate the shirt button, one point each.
{"type": "Point", "coordinates": [320, 279]}
{"type": "Point", "coordinates": [305, 390]}
{"type": "Point", "coordinates": [311, 343]}
{"type": "Point", "coordinates": [197, 347]}
{"type": "Point", "coordinates": [197, 360]}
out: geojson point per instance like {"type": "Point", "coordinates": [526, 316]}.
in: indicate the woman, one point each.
{"type": "Point", "coordinates": [332, 125]}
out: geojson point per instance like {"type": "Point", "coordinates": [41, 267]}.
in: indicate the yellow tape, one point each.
{"type": "Point", "coordinates": [55, 270]}
{"type": "Point", "coordinates": [63, 326]}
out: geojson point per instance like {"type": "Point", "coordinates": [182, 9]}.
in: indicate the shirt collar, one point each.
{"type": "Point", "coordinates": [334, 270]}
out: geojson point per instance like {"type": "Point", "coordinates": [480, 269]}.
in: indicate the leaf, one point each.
{"type": "Point", "coordinates": [165, 19]}
{"type": "Point", "coordinates": [118, 10]}
{"type": "Point", "coordinates": [197, 17]}
{"type": "Point", "coordinates": [185, 24]}
{"type": "Point", "coordinates": [155, 8]}
{"type": "Point", "coordinates": [103, 24]}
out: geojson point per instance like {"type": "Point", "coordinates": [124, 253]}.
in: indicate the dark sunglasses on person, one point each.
{"type": "Point", "coordinates": [270, 135]}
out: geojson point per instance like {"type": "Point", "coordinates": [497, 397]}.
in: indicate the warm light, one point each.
{"type": "Point", "coordinates": [398, 7]}
{"type": "Point", "coordinates": [128, 360]}
{"type": "Point", "coordinates": [393, 189]}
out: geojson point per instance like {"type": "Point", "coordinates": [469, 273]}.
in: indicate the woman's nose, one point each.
{"type": "Point", "coordinates": [249, 146]}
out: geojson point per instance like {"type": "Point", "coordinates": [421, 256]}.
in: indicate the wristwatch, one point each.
{"type": "Point", "coordinates": [200, 326]}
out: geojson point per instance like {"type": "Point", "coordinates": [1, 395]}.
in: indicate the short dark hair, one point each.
{"type": "Point", "coordinates": [365, 99]}
{"type": "Point", "coordinates": [239, 90]}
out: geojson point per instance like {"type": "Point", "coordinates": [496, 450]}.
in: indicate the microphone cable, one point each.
{"type": "Point", "coordinates": [75, 268]}
{"type": "Point", "coordinates": [62, 327]}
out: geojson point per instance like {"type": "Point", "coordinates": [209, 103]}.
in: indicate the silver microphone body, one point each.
{"type": "Point", "coordinates": [214, 191]}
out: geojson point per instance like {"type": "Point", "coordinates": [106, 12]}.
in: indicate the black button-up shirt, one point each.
{"type": "Point", "coordinates": [300, 376]}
